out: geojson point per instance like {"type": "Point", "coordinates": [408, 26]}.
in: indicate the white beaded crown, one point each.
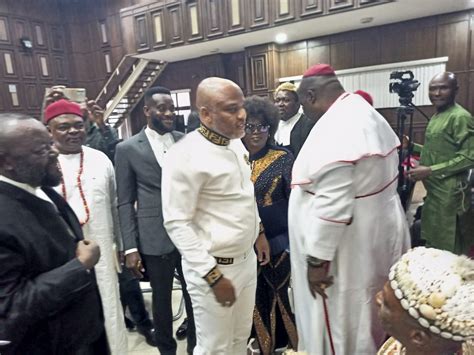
{"type": "Point", "coordinates": [436, 288]}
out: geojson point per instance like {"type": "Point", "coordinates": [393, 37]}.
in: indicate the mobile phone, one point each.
{"type": "Point", "coordinates": [77, 95]}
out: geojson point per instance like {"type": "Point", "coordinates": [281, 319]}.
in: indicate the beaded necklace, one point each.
{"type": "Point", "coordinates": [79, 185]}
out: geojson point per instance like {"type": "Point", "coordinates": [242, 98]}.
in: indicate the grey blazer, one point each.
{"type": "Point", "coordinates": [138, 177]}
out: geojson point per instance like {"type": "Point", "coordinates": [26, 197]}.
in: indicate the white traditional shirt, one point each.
{"type": "Point", "coordinates": [160, 143]}
{"type": "Point", "coordinates": [283, 133]}
{"type": "Point", "coordinates": [344, 208]}
{"type": "Point", "coordinates": [208, 199]}
{"type": "Point", "coordinates": [98, 184]}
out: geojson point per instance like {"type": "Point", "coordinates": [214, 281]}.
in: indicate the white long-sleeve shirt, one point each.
{"type": "Point", "coordinates": [209, 206]}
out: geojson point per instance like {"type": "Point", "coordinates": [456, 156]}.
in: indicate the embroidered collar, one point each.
{"type": "Point", "coordinates": [212, 136]}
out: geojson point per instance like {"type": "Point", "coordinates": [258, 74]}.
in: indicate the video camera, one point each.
{"type": "Point", "coordinates": [405, 86]}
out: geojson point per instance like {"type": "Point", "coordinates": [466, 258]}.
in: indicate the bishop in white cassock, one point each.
{"type": "Point", "coordinates": [88, 185]}
{"type": "Point", "coordinates": [346, 223]}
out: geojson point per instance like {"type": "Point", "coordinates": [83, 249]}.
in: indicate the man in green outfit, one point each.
{"type": "Point", "coordinates": [447, 221]}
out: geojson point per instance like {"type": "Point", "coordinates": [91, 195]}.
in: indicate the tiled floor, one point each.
{"type": "Point", "coordinates": [136, 342]}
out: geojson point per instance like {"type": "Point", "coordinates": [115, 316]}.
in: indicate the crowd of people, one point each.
{"type": "Point", "coordinates": [284, 228]}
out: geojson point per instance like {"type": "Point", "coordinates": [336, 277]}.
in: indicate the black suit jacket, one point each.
{"type": "Point", "coordinates": [138, 177]}
{"type": "Point", "coordinates": [49, 303]}
{"type": "Point", "coordinates": [299, 133]}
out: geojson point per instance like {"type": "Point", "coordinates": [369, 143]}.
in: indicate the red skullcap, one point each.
{"type": "Point", "coordinates": [319, 70]}
{"type": "Point", "coordinates": [61, 107]}
{"type": "Point", "coordinates": [367, 97]}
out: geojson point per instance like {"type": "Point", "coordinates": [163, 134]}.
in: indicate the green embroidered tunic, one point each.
{"type": "Point", "coordinates": [447, 222]}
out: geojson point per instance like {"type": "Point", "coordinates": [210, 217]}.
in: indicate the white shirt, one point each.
{"type": "Point", "coordinates": [283, 133]}
{"type": "Point", "coordinates": [28, 188]}
{"type": "Point", "coordinates": [160, 144]}
{"type": "Point", "coordinates": [209, 207]}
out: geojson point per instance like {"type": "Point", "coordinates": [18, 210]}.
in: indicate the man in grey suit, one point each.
{"type": "Point", "coordinates": [138, 163]}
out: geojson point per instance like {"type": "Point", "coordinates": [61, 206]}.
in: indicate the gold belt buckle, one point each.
{"type": "Point", "coordinates": [224, 261]}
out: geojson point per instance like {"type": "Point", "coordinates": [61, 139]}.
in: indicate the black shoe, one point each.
{"type": "Point", "coordinates": [129, 324]}
{"type": "Point", "coordinates": [149, 334]}
{"type": "Point", "coordinates": [182, 330]}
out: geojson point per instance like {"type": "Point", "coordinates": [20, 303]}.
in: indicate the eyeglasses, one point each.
{"type": "Point", "coordinates": [259, 128]}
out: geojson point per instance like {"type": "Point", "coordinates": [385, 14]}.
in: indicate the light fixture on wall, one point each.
{"type": "Point", "coordinates": [26, 43]}
{"type": "Point", "coordinates": [281, 38]}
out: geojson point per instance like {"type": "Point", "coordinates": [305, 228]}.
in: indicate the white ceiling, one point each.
{"type": "Point", "coordinates": [397, 11]}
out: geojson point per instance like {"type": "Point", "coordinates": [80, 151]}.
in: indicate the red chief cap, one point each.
{"type": "Point", "coordinates": [367, 97]}
{"type": "Point", "coordinates": [319, 70]}
{"type": "Point", "coordinates": [61, 107]}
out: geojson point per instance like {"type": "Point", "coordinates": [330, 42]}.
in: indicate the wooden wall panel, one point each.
{"type": "Point", "coordinates": [392, 43]}
{"type": "Point", "coordinates": [258, 12]}
{"type": "Point", "coordinates": [57, 37]}
{"type": "Point", "coordinates": [215, 19]}
{"type": "Point", "coordinates": [21, 29]}
{"type": "Point", "coordinates": [235, 15]}
{"type": "Point", "coordinates": [234, 66]}
{"type": "Point", "coordinates": [294, 59]}
{"type": "Point", "coordinates": [141, 33]}
{"type": "Point", "coordinates": [284, 11]}
{"type": "Point", "coordinates": [342, 55]}
{"type": "Point", "coordinates": [174, 24]}
{"type": "Point", "coordinates": [158, 29]}
{"type": "Point", "coordinates": [319, 54]}
{"type": "Point", "coordinates": [420, 42]}
{"type": "Point", "coordinates": [366, 48]}
{"type": "Point", "coordinates": [258, 72]}
{"type": "Point", "coordinates": [310, 7]}
{"type": "Point", "coordinates": [194, 20]}
{"type": "Point", "coordinates": [340, 4]}
{"type": "Point", "coordinates": [451, 40]}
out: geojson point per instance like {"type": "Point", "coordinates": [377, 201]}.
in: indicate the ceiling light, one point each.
{"type": "Point", "coordinates": [281, 38]}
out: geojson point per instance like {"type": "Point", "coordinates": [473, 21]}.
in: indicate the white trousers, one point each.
{"type": "Point", "coordinates": [223, 330]}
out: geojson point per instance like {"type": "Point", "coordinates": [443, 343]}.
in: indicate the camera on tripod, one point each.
{"type": "Point", "coordinates": [404, 86]}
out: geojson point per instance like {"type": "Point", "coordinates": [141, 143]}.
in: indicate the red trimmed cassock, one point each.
{"type": "Point", "coordinates": [344, 208]}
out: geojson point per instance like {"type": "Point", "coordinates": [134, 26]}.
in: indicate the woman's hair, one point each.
{"type": "Point", "coordinates": [263, 108]}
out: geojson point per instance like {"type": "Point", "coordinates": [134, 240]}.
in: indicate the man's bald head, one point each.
{"type": "Point", "coordinates": [26, 152]}
{"type": "Point", "coordinates": [317, 94]}
{"type": "Point", "coordinates": [442, 91]}
{"type": "Point", "coordinates": [13, 127]}
{"type": "Point", "coordinates": [220, 103]}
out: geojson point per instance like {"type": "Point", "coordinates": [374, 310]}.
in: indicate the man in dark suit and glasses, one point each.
{"type": "Point", "coordinates": [138, 172]}
{"type": "Point", "coordinates": [49, 301]}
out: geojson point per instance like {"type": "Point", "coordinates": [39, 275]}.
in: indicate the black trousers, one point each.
{"type": "Point", "coordinates": [99, 347]}
{"type": "Point", "coordinates": [132, 297]}
{"type": "Point", "coordinates": [160, 270]}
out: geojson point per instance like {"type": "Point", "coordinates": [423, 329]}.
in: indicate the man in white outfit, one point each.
{"type": "Point", "coordinates": [346, 223]}
{"type": "Point", "coordinates": [210, 214]}
{"type": "Point", "coordinates": [88, 185]}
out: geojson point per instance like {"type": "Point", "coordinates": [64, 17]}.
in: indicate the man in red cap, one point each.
{"type": "Point", "coordinates": [88, 185]}
{"type": "Point", "coordinates": [346, 223]}
{"type": "Point", "coordinates": [367, 97]}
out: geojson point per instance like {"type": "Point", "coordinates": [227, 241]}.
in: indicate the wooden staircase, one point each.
{"type": "Point", "coordinates": [127, 86]}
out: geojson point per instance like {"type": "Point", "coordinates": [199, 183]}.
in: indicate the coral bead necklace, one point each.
{"type": "Point", "coordinates": [79, 185]}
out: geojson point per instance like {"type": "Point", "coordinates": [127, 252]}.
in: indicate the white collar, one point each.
{"type": "Point", "coordinates": [28, 188]}
{"type": "Point", "coordinates": [152, 134]}
{"type": "Point", "coordinates": [291, 120]}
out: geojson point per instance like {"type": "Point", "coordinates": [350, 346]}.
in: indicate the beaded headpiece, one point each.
{"type": "Point", "coordinates": [436, 288]}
